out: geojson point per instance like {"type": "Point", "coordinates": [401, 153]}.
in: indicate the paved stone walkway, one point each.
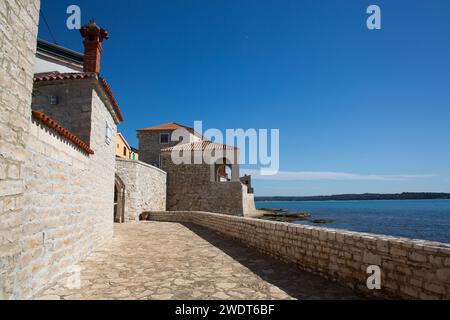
{"type": "Point", "coordinates": [159, 260]}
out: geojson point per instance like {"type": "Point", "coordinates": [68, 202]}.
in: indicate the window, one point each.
{"type": "Point", "coordinates": [164, 138]}
{"type": "Point", "coordinates": [124, 151]}
{"type": "Point", "coordinates": [108, 134]}
{"type": "Point", "coordinates": [54, 100]}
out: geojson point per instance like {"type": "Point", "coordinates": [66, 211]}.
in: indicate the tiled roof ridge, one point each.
{"type": "Point", "coordinates": [165, 126]}
{"type": "Point", "coordinates": [201, 145]}
{"type": "Point", "coordinates": [51, 76]}
{"type": "Point", "coordinates": [171, 126]}
{"type": "Point", "coordinates": [49, 122]}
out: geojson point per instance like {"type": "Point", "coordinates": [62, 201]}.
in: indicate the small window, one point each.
{"type": "Point", "coordinates": [164, 138]}
{"type": "Point", "coordinates": [108, 134]}
{"type": "Point", "coordinates": [54, 100]}
{"type": "Point", "coordinates": [124, 151]}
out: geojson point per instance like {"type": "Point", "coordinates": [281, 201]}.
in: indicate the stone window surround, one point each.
{"type": "Point", "coordinates": [164, 134]}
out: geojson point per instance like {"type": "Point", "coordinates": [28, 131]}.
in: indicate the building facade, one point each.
{"type": "Point", "coordinates": [61, 185]}
{"type": "Point", "coordinates": [205, 177]}
{"type": "Point", "coordinates": [57, 156]}
{"type": "Point", "coordinates": [153, 139]}
{"type": "Point", "coordinates": [123, 149]}
{"type": "Point", "coordinates": [19, 21]}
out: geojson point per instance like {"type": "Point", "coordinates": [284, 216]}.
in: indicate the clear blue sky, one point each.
{"type": "Point", "coordinates": [372, 104]}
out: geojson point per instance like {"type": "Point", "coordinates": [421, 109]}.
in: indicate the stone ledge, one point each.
{"type": "Point", "coordinates": [142, 164]}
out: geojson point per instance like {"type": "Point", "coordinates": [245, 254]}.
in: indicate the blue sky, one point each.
{"type": "Point", "coordinates": [358, 110]}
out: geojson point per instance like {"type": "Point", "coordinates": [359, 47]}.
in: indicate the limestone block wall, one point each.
{"type": "Point", "coordinates": [212, 196]}
{"type": "Point", "coordinates": [149, 146]}
{"type": "Point", "coordinates": [411, 269]}
{"type": "Point", "coordinates": [74, 106]}
{"type": "Point", "coordinates": [68, 201]}
{"type": "Point", "coordinates": [18, 30]}
{"type": "Point", "coordinates": [189, 187]}
{"type": "Point", "coordinates": [101, 171]}
{"type": "Point", "coordinates": [248, 202]}
{"type": "Point", "coordinates": [56, 230]}
{"type": "Point", "coordinates": [145, 187]}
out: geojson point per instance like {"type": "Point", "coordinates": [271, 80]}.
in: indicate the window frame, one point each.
{"type": "Point", "coordinates": [108, 134]}
{"type": "Point", "coordinates": [164, 134]}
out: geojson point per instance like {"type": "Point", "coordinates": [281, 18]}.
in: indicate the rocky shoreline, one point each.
{"type": "Point", "coordinates": [283, 215]}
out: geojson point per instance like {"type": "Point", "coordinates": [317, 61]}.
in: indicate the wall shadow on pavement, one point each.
{"type": "Point", "coordinates": [286, 276]}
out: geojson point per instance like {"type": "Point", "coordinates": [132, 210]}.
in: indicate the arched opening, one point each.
{"type": "Point", "coordinates": [119, 200]}
{"type": "Point", "coordinates": [223, 170]}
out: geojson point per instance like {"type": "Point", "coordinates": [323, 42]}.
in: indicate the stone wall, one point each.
{"type": "Point", "coordinates": [68, 202]}
{"type": "Point", "coordinates": [189, 187]}
{"type": "Point", "coordinates": [149, 146]}
{"type": "Point", "coordinates": [411, 269]}
{"type": "Point", "coordinates": [73, 109]}
{"type": "Point", "coordinates": [101, 171]}
{"type": "Point", "coordinates": [248, 202]}
{"type": "Point", "coordinates": [18, 30]}
{"type": "Point", "coordinates": [56, 230]}
{"type": "Point", "coordinates": [145, 187]}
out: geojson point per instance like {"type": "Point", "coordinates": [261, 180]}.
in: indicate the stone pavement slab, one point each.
{"type": "Point", "coordinates": [163, 260]}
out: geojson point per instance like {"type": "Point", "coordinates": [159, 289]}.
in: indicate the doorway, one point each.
{"type": "Point", "coordinates": [119, 200]}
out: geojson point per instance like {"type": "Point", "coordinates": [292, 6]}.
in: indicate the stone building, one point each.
{"type": "Point", "coordinates": [153, 139]}
{"type": "Point", "coordinates": [58, 124]}
{"type": "Point", "coordinates": [61, 185]}
{"type": "Point", "coordinates": [208, 181]}
{"type": "Point", "coordinates": [18, 20]}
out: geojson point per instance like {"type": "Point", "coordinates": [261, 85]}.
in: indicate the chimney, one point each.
{"type": "Point", "coordinates": [93, 37]}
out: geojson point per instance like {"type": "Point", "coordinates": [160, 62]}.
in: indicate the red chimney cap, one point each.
{"type": "Point", "coordinates": [93, 32]}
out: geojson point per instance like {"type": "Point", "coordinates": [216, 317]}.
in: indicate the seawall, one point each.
{"type": "Point", "coordinates": [410, 269]}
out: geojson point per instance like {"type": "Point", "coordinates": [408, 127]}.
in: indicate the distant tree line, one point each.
{"type": "Point", "coordinates": [365, 196]}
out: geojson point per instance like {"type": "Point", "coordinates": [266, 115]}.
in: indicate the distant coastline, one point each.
{"type": "Point", "coordinates": [364, 196]}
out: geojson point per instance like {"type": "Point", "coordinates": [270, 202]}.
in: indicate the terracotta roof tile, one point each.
{"type": "Point", "coordinates": [171, 126]}
{"type": "Point", "coordinates": [167, 126]}
{"type": "Point", "coordinates": [46, 120]}
{"type": "Point", "coordinates": [52, 76]}
{"type": "Point", "coordinates": [199, 146]}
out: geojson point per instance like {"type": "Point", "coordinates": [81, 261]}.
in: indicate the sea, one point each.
{"type": "Point", "coordinates": [415, 219]}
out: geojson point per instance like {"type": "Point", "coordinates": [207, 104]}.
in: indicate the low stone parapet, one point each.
{"type": "Point", "coordinates": [410, 269]}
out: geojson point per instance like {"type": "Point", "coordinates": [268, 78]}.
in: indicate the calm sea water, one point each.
{"type": "Point", "coordinates": [417, 219]}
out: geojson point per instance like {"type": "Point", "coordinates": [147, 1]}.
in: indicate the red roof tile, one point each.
{"type": "Point", "coordinates": [199, 146]}
{"type": "Point", "coordinates": [172, 126]}
{"type": "Point", "coordinates": [167, 126]}
{"type": "Point", "coordinates": [46, 120]}
{"type": "Point", "coordinates": [52, 76]}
